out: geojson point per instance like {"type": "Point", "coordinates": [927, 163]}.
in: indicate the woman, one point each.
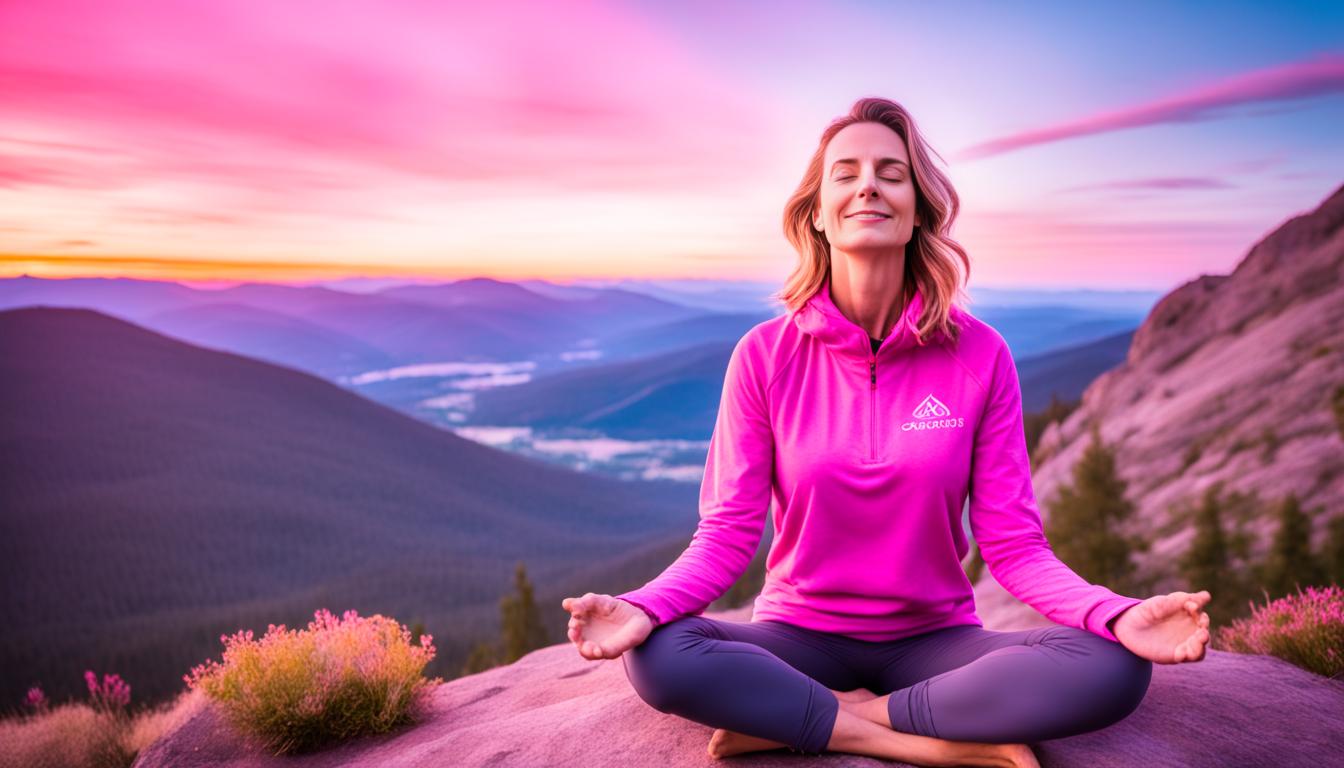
{"type": "Point", "coordinates": [870, 411]}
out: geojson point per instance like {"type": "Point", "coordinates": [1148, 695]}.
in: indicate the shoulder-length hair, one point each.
{"type": "Point", "coordinates": [932, 256]}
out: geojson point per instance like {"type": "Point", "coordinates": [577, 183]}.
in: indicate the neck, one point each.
{"type": "Point", "coordinates": [869, 291]}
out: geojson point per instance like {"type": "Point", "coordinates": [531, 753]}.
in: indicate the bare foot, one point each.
{"type": "Point", "coordinates": [858, 694]}
{"type": "Point", "coordinates": [976, 753]}
{"type": "Point", "coordinates": [1020, 755]}
{"type": "Point", "coordinates": [725, 743]}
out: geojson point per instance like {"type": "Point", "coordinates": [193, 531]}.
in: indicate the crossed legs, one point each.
{"type": "Point", "coordinates": [971, 684]}
{"type": "Point", "coordinates": [767, 684]}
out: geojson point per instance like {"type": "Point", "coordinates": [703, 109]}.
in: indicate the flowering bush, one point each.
{"type": "Point", "coordinates": [300, 690]}
{"type": "Point", "coordinates": [1306, 629]}
{"type": "Point", "coordinates": [99, 733]}
{"type": "Point", "coordinates": [112, 697]}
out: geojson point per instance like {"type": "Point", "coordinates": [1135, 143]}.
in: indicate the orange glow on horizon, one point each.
{"type": "Point", "coordinates": [219, 271]}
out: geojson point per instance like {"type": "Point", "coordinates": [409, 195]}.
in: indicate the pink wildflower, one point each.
{"type": "Point", "coordinates": [36, 699]}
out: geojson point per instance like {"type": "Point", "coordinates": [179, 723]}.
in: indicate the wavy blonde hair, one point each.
{"type": "Point", "coordinates": [932, 257]}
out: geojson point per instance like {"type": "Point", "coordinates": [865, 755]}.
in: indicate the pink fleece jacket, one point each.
{"type": "Point", "coordinates": [869, 458]}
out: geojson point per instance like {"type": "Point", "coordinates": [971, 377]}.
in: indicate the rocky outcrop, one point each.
{"type": "Point", "coordinates": [1229, 379]}
{"type": "Point", "coordinates": [555, 708]}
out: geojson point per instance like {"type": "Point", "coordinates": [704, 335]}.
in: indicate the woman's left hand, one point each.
{"type": "Point", "coordinates": [1166, 629]}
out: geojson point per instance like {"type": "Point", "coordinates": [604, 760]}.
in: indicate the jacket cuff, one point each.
{"type": "Point", "coordinates": [1104, 612]}
{"type": "Point", "coordinates": [640, 605]}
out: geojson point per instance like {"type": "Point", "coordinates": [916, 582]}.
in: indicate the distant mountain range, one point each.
{"type": "Point", "coordinates": [676, 394]}
{"type": "Point", "coordinates": [338, 334]}
{"type": "Point", "coordinates": [335, 333]}
{"type": "Point", "coordinates": [156, 494]}
{"type": "Point", "coordinates": [593, 360]}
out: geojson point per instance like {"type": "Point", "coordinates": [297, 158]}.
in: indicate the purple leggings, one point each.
{"type": "Point", "coordinates": [965, 683]}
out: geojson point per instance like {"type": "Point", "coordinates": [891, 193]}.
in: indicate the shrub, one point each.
{"type": "Point", "coordinates": [1305, 629]}
{"type": "Point", "coordinates": [99, 733]}
{"type": "Point", "coordinates": [69, 734]}
{"type": "Point", "coordinates": [300, 690]}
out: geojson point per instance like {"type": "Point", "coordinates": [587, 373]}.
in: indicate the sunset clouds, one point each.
{"type": "Point", "coordinates": [542, 139]}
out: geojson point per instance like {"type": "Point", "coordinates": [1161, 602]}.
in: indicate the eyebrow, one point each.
{"type": "Point", "coordinates": [880, 163]}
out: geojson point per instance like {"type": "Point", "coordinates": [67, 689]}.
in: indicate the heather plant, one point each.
{"type": "Point", "coordinates": [300, 690]}
{"type": "Point", "coordinates": [112, 697]}
{"type": "Point", "coordinates": [1305, 629]}
{"type": "Point", "coordinates": [98, 733]}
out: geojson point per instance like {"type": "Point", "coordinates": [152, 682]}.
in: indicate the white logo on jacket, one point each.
{"type": "Point", "coordinates": [932, 414]}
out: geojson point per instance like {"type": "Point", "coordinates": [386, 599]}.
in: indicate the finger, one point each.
{"type": "Point", "coordinates": [578, 605]}
{"type": "Point", "coordinates": [1169, 605]}
{"type": "Point", "coordinates": [1196, 644]}
{"type": "Point", "coordinates": [1204, 620]}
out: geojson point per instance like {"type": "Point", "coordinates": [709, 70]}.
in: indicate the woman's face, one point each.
{"type": "Point", "coordinates": [866, 167]}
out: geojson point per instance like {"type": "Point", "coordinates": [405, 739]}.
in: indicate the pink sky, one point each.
{"type": "Point", "coordinates": [584, 139]}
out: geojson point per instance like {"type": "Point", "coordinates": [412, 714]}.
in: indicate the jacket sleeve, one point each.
{"type": "Point", "coordinates": [1006, 522]}
{"type": "Point", "coordinates": [734, 497]}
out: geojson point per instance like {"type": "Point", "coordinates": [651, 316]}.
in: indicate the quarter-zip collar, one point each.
{"type": "Point", "coordinates": [820, 318]}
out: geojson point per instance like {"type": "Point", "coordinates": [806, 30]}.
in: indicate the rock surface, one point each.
{"type": "Point", "coordinates": [555, 708]}
{"type": "Point", "coordinates": [1229, 379]}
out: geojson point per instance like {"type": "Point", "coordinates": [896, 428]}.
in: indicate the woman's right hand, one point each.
{"type": "Point", "coordinates": [604, 627]}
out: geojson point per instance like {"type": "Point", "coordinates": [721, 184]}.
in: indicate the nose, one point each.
{"type": "Point", "coordinates": [867, 185]}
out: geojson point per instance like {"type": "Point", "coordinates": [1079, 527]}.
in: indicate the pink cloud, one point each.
{"type": "Point", "coordinates": [258, 94]}
{"type": "Point", "coordinates": [1160, 183]}
{"type": "Point", "coordinates": [1321, 75]}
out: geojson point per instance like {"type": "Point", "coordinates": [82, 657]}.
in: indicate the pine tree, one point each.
{"type": "Point", "coordinates": [1035, 424]}
{"type": "Point", "coordinates": [1207, 563]}
{"type": "Point", "coordinates": [484, 656]}
{"type": "Point", "coordinates": [1290, 563]}
{"type": "Point", "coordinates": [1332, 556]}
{"type": "Point", "coordinates": [522, 630]}
{"type": "Point", "coordinates": [1085, 521]}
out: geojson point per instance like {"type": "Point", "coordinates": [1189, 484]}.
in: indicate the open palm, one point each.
{"type": "Point", "coordinates": [604, 627]}
{"type": "Point", "coordinates": [1166, 629]}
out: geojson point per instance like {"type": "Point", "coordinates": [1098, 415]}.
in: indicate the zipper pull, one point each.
{"type": "Point", "coordinates": [872, 373]}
